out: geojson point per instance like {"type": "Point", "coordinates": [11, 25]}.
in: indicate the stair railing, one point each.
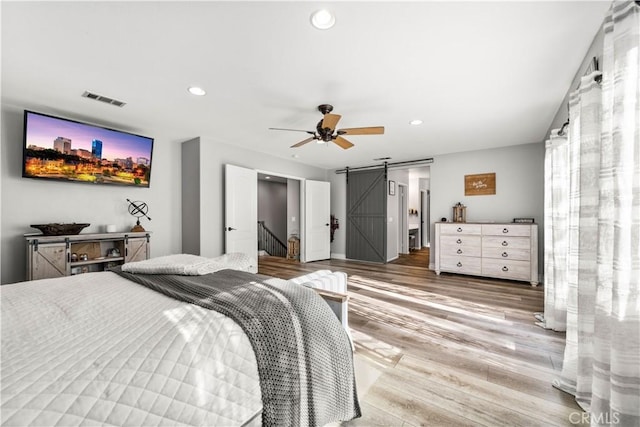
{"type": "Point", "coordinates": [268, 242]}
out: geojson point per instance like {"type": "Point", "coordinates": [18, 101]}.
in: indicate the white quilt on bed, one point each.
{"type": "Point", "coordinates": [113, 352]}
{"type": "Point", "coordinates": [191, 265]}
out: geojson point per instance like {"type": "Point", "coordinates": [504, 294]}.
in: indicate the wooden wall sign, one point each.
{"type": "Point", "coordinates": [480, 184]}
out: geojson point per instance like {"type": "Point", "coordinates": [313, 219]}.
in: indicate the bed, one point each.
{"type": "Point", "coordinates": [176, 342]}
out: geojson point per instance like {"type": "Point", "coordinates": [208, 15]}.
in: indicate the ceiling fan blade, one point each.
{"type": "Point", "coordinates": [330, 120]}
{"type": "Point", "coordinates": [343, 143]}
{"type": "Point", "coordinates": [304, 141]}
{"type": "Point", "coordinates": [295, 130]}
{"type": "Point", "coordinates": [372, 130]}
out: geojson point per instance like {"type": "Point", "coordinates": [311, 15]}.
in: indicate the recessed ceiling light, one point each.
{"type": "Point", "coordinates": [415, 122]}
{"type": "Point", "coordinates": [267, 177]}
{"type": "Point", "coordinates": [195, 90]}
{"type": "Point", "coordinates": [322, 19]}
{"type": "Point", "coordinates": [295, 156]}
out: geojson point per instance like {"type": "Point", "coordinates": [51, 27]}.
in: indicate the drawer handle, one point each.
{"type": "Point", "coordinates": [458, 241]}
{"type": "Point", "coordinates": [504, 254]}
{"type": "Point", "coordinates": [459, 251]}
{"type": "Point", "coordinates": [505, 230]}
{"type": "Point", "coordinates": [459, 230]}
{"type": "Point", "coordinates": [459, 264]}
{"type": "Point", "coordinates": [505, 268]}
{"type": "Point", "coordinates": [505, 243]}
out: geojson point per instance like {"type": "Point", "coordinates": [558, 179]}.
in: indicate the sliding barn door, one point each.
{"type": "Point", "coordinates": [367, 215]}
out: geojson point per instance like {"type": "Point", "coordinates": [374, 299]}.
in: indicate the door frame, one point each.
{"type": "Point", "coordinates": [425, 221]}
{"type": "Point", "coordinates": [403, 218]}
{"type": "Point", "coordinates": [301, 214]}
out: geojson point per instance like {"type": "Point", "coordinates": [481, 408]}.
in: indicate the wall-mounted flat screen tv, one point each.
{"type": "Point", "coordinates": [67, 150]}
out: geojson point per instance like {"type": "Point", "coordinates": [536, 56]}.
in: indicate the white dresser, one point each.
{"type": "Point", "coordinates": [504, 251]}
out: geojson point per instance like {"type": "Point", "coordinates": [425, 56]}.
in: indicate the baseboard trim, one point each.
{"type": "Point", "coordinates": [338, 256]}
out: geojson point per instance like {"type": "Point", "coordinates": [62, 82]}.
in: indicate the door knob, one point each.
{"type": "Point", "coordinates": [230, 228]}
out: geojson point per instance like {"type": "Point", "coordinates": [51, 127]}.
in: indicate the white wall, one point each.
{"type": "Point", "coordinates": [519, 185]}
{"type": "Point", "coordinates": [214, 156]}
{"type": "Point", "coordinates": [594, 50]}
{"type": "Point", "coordinates": [30, 201]}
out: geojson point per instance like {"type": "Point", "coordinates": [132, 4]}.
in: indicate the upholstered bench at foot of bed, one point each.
{"type": "Point", "coordinates": [332, 287]}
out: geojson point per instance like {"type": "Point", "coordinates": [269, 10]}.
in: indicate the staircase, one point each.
{"type": "Point", "coordinates": [268, 242]}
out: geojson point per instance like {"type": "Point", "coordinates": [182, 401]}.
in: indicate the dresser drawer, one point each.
{"type": "Point", "coordinates": [460, 228]}
{"type": "Point", "coordinates": [506, 253]}
{"type": "Point", "coordinates": [506, 269]}
{"type": "Point", "coordinates": [506, 230]}
{"type": "Point", "coordinates": [461, 264]}
{"type": "Point", "coordinates": [506, 242]}
{"type": "Point", "coordinates": [460, 245]}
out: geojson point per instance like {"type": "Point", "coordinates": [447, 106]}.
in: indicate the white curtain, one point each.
{"type": "Point", "coordinates": [600, 278]}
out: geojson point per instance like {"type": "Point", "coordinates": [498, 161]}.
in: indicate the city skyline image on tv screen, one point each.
{"type": "Point", "coordinates": [62, 149]}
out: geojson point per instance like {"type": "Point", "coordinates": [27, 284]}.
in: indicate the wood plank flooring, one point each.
{"type": "Point", "coordinates": [446, 350]}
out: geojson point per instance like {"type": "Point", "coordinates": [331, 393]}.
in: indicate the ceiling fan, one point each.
{"type": "Point", "coordinates": [326, 130]}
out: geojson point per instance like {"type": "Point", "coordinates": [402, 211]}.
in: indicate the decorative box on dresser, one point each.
{"type": "Point", "coordinates": [504, 251]}
{"type": "Point", "coordinates": [58, 256]}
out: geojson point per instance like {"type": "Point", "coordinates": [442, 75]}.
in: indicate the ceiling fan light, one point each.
{"type": "Point", "coordinates": [320, 141]}
{"type": "Point", "coordinates": [322, 19]}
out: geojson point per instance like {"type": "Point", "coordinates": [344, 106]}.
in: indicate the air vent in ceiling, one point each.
{"type": "Point", "coordinates": [105, 99]}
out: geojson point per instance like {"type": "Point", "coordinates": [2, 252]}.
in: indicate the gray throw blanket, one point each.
{"type": "Point", "coordinates": [304, 356]}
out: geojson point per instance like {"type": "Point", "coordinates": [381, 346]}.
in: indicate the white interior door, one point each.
{"type": "Point", "coordinates": [241, 212]}
{"type": "Point", "coordinates": [317, 241]}
{"type": "Point", "coordinates": [403, 226]}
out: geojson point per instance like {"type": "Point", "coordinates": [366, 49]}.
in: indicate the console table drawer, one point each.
{"type": "Point", "coordinates": [461, 264]}
{"type": "Point", "coordinates": [506, 269]}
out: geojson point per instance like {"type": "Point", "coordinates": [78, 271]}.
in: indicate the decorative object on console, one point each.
{"type": "Point", "coordinates": [480, 184]}
{"type": "Point", "coordinates": [59, 229]}
{"type": "Point", "coordinates": [459, 213]}
{"type": "Point", "coordinates": [113, 252]}
{"type": "Point", "coordinates": [138, 209]}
